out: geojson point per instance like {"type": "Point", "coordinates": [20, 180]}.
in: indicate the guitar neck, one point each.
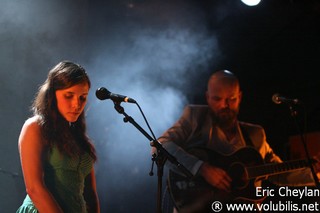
{"type": "Point", "coordinates": [276, 168]}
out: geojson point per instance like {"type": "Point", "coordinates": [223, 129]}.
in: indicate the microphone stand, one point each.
{"type": "Point", "coordinates": [314, 175]}
{"type": "Point", "coordinates": [160, 158]}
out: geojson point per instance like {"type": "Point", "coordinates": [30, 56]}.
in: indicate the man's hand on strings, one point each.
{"type": "Point", "coordinates": [216, 176]}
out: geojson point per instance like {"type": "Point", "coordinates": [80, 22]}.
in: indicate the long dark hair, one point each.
{"type": "Point", "coordinates": [70, 138]}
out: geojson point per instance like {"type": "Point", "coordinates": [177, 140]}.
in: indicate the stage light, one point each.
{"type": "Point", "coordinates": [251, 2]}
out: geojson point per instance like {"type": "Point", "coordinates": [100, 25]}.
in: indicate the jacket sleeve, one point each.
{"type": "Point", "coordinates": [175, 141]}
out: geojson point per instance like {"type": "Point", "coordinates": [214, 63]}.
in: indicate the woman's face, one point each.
{"type": "Point", "coordinates": [71, 101]}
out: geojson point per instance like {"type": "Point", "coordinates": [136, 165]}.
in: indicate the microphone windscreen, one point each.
{"type": "Point", "coordinates": [102, 93]}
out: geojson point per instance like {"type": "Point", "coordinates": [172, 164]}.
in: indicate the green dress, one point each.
{"type": "Point", "coordinates": [64, 177]}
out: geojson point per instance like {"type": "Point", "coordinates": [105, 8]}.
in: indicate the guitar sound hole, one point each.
{"type": "Point", "coordinates": [239, 176]}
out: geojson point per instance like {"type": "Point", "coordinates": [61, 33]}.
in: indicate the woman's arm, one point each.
{"type": "Point", "coordinates": [90, 193]}
{"type": "Point", "coordinates": [31, 149]}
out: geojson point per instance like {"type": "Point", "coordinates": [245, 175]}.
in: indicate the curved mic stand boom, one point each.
{"type": "Point", "coordinates": [160, 158]}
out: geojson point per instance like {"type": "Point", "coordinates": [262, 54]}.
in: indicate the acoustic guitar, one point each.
{"type": "Point", "coordinates": [245, 166]}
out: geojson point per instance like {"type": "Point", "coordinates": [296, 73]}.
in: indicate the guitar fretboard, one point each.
{"type": "Point", "coordinates": [276, 168]}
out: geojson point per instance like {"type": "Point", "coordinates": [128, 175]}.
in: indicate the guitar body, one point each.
{"type": "Point", "coordinates": [197, 195]}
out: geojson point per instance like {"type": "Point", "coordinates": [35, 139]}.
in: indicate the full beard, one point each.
{"type": "Point", "coordinates": [225, 118]}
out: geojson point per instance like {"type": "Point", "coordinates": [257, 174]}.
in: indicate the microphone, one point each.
{"type": "Point", "coordinates": [277, 99]}
{"type": "Point", "coordinates": [102, 94]}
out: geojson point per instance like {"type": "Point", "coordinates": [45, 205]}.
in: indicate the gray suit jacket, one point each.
{"type": "Point", "coordinates": [192, 129]}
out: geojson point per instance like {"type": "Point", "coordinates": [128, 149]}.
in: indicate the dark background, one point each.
{"type": "Point", "coordinates": [159, 53]}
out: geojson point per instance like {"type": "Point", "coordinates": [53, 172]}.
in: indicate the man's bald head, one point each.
{"type": "Point", "coordinates": [224, 97]}
{"type": "Point", "coordinates": [223, 76]}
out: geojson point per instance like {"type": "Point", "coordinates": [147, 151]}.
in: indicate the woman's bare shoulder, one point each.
{"type": "Point", "coordinates": [32, 122]}
{"type": "Point", "coordinates": [30, 129]}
